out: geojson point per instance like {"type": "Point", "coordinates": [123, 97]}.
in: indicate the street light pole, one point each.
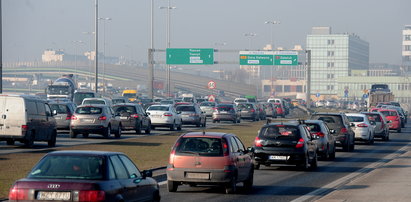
{"type": "Point", "coordinates": [150, 55]}
{"type": "Point", "coordinates": [274, 22]}
{"type": "Point", "coordinates": [96, 46]}
{"type": "Point", "coordinates": [104, 51]}
{"type": "Point", "coordinates": [250, 35]}
{"type": "Point", "coordinates": [168, 44]}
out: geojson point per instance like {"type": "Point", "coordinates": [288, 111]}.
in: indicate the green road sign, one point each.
{"type": "Point", "coordinates": [256, 58]}
{"type": "Point", "coordinates": [190, 56]}
{"type": "Point", "coordinates": [285, 60]}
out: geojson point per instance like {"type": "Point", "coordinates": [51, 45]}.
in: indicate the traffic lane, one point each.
{"type": "Point", "coordinates": [286, 183]}
{"type": "Point", "coordinates": [64, 140]}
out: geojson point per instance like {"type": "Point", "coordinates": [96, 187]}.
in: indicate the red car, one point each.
{"type": "Point", "coordinates": [393, 116]}
{"type": "Point", "coordinates": [280, 109]}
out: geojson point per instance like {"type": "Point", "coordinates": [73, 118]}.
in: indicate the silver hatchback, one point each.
{"type": "Point", "coordinates": [98, 119]}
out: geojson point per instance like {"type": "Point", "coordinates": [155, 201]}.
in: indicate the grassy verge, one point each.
{"type": "Point", "coordinates": [147, 152]}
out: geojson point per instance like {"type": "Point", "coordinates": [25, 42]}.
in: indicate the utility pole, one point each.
{"type": "Point", "coordinates": [1, 52]}
{"type": "Point", "coordinates": [96, 46]}
{"type": "Point", "coordinates": [308, 76]}
{"type": "Point", "coordinates": [150, 55]}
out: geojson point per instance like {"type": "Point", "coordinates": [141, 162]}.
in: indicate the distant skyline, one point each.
{"type": "Point", "coordinates": [31, 26]}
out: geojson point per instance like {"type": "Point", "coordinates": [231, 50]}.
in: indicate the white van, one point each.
{"type": "Point", "coordinates": [26, 119]}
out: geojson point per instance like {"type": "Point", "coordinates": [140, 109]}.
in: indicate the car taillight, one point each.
{"type": "Point", "coordinates": [252, 110]}
{"type": "Point", "coordinates": [102, 118]}
{"type": "Point", "coordinates": [319, 134]}
{"type": "Point", "coordinates": [225, 147]}
{"type": "Point", "coordinates": [24, 128]}
{"type": "Point", "coordinates": [18, 194]}
{"type": "Point", "coordinates": [167, 114]}
{"type": "Point", "coordinates": [215, 108]}
{"type": "Point", "coordinates": [362, 125]}
{"type": "Point", "coordinates": [68, 117]}
{"type": "Point", "coordinates": [300, 143]}
{"type": "Point", "coordinates": [257, 142]}
{"type": "Point", "coordinates": [92, 195]}
{"type": "Point", "coordinates": [134, 116]}
{"type": "Point", "coordinates": [73, 117]}
{"type": "Point", "coordinates": [344, 130]}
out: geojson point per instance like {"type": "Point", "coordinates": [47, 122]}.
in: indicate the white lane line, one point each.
{"type": "Point", "coordinates": [320, 192]}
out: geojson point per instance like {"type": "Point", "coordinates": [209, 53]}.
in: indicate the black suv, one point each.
{"type": "Point", "coordinates": [344, 135]}
{"type": "Point", "coordinates": [133, 117]}
{"type": "Point", "coordinates": [285, 143]}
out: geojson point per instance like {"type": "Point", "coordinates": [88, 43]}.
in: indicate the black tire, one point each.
{"type": "Point", "coordinates": [29, 141]}
{"type": "Point", "coordinates": [305, 164]}
{"type": "Point", "coordinates": [53, 139]}
{"type": "Point", "coordinates": [248, 184]}
{"type": "Point", "coordinates": [107, 132]}
{"type": "Point", "coordinates": [10, 142]}
{"type": "Point", "coordinates": [198, 124]}
{"type": "Point", "coordinates": [180, 126]}
{"type": "Point", "coordinates": [156, 196]}
{"type": "Point", "coordinates": [352, 147]}
{"type": "Point", "coordinates": [234, 120]}
{"type": "Point", "coordinates": [314, 163]}
{"type": "Point", "coordinates": [138, 128]}
{"type": "Point", "coordinates": [172, 186]}
{"type": "Point", "coordinates": [326, 154]}
{"type": "Point", "coordinates": [148, 129]}
{"type": "Point", "coordinates": [153, 127]}
{"type": "Point", "coordinates": [118, 133]}
{"type": "Point", "coordinates": [239, 120]}
{"type": "Point", "coordinates": [173, 126]}
{"type": "Point", "coordinates": [85, 135]}
{"type": "Point", "coordinates": [332, 154]}
{"type": "Point", "coordinates": [205, 123]}
{"type": "Point", "coordinates": [231, 187]}
{"type": "Point", "coordinates": [73, 134]}
{"type": "Point", "coordinates": [399, 130]}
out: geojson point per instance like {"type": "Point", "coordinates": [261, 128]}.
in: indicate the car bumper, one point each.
{"type": "Point", "coordinates": [201, 176]}
{"type": "Point", "coordinates": [89, 129]}
{"type": "Point", "coordinates": [279, 157]}
{"type": "Point", "coordinates": [223, 117]}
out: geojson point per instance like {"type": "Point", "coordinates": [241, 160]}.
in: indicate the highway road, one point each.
{"type": "Point", "coordinates": [287, 183]}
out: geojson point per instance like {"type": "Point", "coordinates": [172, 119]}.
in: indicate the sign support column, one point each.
{"type": "Point", "coordinates": [308, 87]}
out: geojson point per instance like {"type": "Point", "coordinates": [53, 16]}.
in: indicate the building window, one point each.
{"type": "Point", "coordinates": [278, 88]}
{"type": "Point", "coordinates": [330, 76]}
{"type": "Point", "coordinates": [299, 89]}
{"type": "Point", "coordinates": [407, 48]}
{"type": "Point", "coordinates": [287, 88]}
{"type": "Point", "coordinates": [330, 87]}
{"type": "Point", "coordinates": [330, 41]}
{"type": "Point", "coordinates": [330, 53]}
{"type": "Point", "coordinates": [407, 37]}
{"type": "Point", "coordinates": [330, 64]}
{"type": "Point", "coordinates": [267, 88]}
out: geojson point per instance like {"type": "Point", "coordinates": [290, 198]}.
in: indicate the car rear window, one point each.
{"type": "Point", "coordinates": [374, 117]}
{"type": "Point", "coordinates": [328, 119]}
{"type": "Point", "coordinates": [158, 108]}
{"type": "Point", "coordinates": [314, 128]}
{"type": "Point", "coordinates": [355, 118]}
{"type": "Point", "coordinates": [185, 108]}
{"type": "Point", "coordinates": [245, 106]}
{"type": "Point", "coordinates": [68, 167]}
{"type": "Point", "coordinates": [202, 146]}
{"type": "Point", "coordinates": [282, 132]}
{"type": "Point", "coordinates": [60, 108]}
{"type": "Point", "coordinates": [89, 110]}
{"type": "Point", "coordinates": [225, 108]}
{"type": "Point", "coordinates": [91, 102]}
{"type": "Point", "coordinates": [124, 109]}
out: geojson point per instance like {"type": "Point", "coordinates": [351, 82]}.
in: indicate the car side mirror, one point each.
{"type": "Point", "coordinates": [147, 173]}
{"type": "Point", "coordinates": [352, 124]}
{"type": "Point", "coordinates": [332, 131]}
{"type": "Point", "coordinates": [250, 150]}
{"type": "Point", "coordinates": [54, 112]}
{"type": "Point", "coordinates": [373, 123]}
{"type": "Point", "coordinates": [148, 113]}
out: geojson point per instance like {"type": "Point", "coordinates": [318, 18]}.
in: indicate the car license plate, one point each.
{"type": "Point", "coordinates": [278, 157]}
{"type": "Point", "coordinates": [123, 117]}
{"type": "Point", "coordinates": [87, 120]}
{"type": "Point", "coordinates": [62, 196]}
{"type": "Point", "coordinates": [156, 116]}
{"type": "Point", "coordinates": [58, 117]}
{"type": "Point", "coordinates": [224, 112]}
{"type": "Point", "coordinates": [198, 175]}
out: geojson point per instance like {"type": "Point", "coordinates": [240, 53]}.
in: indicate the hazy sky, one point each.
{"type": "Point", "coordinates": [31, 26]}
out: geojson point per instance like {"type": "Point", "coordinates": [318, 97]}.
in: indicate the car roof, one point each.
{"type": "Point", "coordinates": [84, 152]}
{"type": "Point", "coordinates": [355, 114]}
{"type": "Point", "coordinates": [314, 121]}
{"type": "Point", "coordinates": [289, 123]}
{"type": "Point", "coordinates": [125, 104]}
{"type": "Point", "coordinates": [206, 134]}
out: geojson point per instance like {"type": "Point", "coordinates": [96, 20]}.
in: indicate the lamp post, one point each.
{"type": "Point", "coordinates": [169, 7]}
{"type": "Point", "coordinates": [272, 23]}
{"type": "Point", "coordinates": [96, 45]}
{"type": "Point", "coordinates": [89, 57]}
{"type": "Point", "coordinates": [250, 36]}
{"type": "Point", "coordinates": [76, 42]}
{"type": "Point", "coordinates": [104, 20]}
{"type": "Point", "coordinates": [150, 55]}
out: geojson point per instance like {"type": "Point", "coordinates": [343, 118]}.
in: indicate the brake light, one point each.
{"type": "Point", "coordinates": [225, 147]}
{"type": "Point", "coordinates": [134, 116]}
{"type": "Point", "coordinates": [319, 134]}
{"type": "Point", "coordinates": [92, 195]}
{"type": "Point", "coordinates": [68, 117]}
{"type": "Point", "coordinates": [252, 110]}
{"type": "Point", "coordinates": [24, 127]}
{"type": "Point", "coordinates": [18, 194]}
{"type": "Point", "coordinates": [167, 114]}
{"type": "Point", "coordinates": [193, 115]}
{"type": "Point", "coordinates": [73, 117]}
{"type": "Point", "coordinates": [362, 125]}
{"type": "Point", "coordinates": [257, 142]}
{"type": "Point", "coordinates": [300, 143]}
{"type": "Point", "coordinates": [102, 118]}
{"type": "Point", "coordinates": [344, 130]}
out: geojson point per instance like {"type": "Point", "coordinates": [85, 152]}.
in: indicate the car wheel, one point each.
{"type": "Point", "coordinates": [231, 187]}
{"type": "Point", "coordinates": [248, 184]}
{"type": "Point", "coordinates": [10, 142]}
{"type": "Point", "coordinates": [73, 134]}
{"type": "Point", "coordinates": [172, 186]}
{"type": "Point", "coordinates": [180, 126]}
{"type": "Point", "coordinates": [107, 132]}
{"type": "Point", "coordinates": [387, 138]}
{"type": "Point", "coordinates": [198, 124]}
{"type": "Point", "coordinates": [148, 129]}
{"type": "Point", "coordinates": [332, 154]}
{"type": "Point", "coordinates": [399, 130]}
{"type": "Point", "coordinates": [314, 163]}
{"type": "Point", "coordinates": [138, 128]}
{"type": "Point", "coordinates": [239, 120]}
{"type": "Point", "coordinates": [52, 141]}
{"type": "Point", "coordinates": [305, 164]}
{"type": "Point", "coordinates": [351, 148]}
{"type": "Point", "coordinates": [326, 154]}
{"type": "Point", "coordinates": [156, 196]}
{"type": "Point", "coordinates": [118, 133]}
{"type": "Point", "coordinates": [85, 135]}
{"type": "Point", "coordinates": [234, 120]}
{"type": "Point", "coordinates": [29, 141]}
{"type": "Point", "coordinates": [173, 126]}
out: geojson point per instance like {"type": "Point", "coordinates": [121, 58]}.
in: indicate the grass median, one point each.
{"type": "Point", "coordinates": [147, 152]}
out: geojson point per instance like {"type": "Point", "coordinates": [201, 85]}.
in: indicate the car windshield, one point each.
{"type": "Point", "coordinates": [68, 167]}
{"type": "Point", "coordinates": [130, 95]}
{"type": "Point", "coordinates": [279, 132]}
{"type": "Point", "coordinates": [89, 110]}
{"type": "Point", "coordinates": [58, 90]}
{"type": "Point", "coordinates": [355, 118]}
{"type": "Point", "coordinates": [202, 146]}
{"type": "Point", "coordinates": [60, 108]}
{"type": "Point", "coordinates": [328, 119]}
{"type": "Point", "coordinates": [158, 108]}
{"type": "Point", "coordinates": [374, 117]}
{"type": "Point", "coordinates": [120, 100]}
{"type": "Point", "coordinates": [314, 128]}
{"type": "Point", "coordinates": [225, 108]}
{"type": "Point", "coordinates": [183, 108]}
{"type": "Point", "coordinates": [79, 97]}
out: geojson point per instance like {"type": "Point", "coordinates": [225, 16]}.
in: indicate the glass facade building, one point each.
{"type": "Point", "coordinates": [334, 56]}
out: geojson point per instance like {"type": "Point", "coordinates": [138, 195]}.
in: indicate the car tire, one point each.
{"type": "Point", "coordinates": [138, 128]}
{"type": "Point", "coordinates": [53, 139]}
{"type": "Point", "coordinates": [85, 135]}
{"type": "Point", "coordinates": [118, 133]}
{"type": "Point", "coordinates": [332, 154]}
{"type": "Point", "coordinates": [198, 124]}
{"type": "Point", "coordinates": [234, 120]}
{"type": "Point", "coordinates": [214, 121]}
{"type": "Point", "coordinates": [305, 164]}
{"type": "Point", "coordinates": [179, 127]}
{"type": "Point", "coordinates": [107, 132]}
{"type": "Point", "coordinates": [148, 129]}
{"type": "Point", "coordinates": [29, 141]}
{"type": "Point", "coordinates": [248, 184]}
{"type": "Point", "coordinates": [399, 130]}
{"type": "Point", "coordinates": [351, 147]}
{"type": "Point", "coordinates": [326, 154]}
{"type": "Point", "coordinates": [205, 123]}
{"type": "Point", "coordinates": [231, 187]}
{"type": "Point", "coordinates": [239, 120]}
{"type": "Point", "coordinates": [156, 196]}
{"type": "Point", "coordinates": [172, 186]}
{"type": "Point", "coordinates": [314, 163]}
{"type": "Point", "coordinates": [173, 126]}
{"type": "Point", "coordinates": [10, 142]}
{"type": "Point", "coordinates": [73, 134]}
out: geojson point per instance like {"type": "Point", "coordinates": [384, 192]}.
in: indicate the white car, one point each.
{"type": "Point", "coordinates": [363, 128]}
{"type": "Point", "coordinates": [208, 108]}
{"type": "Point", "coordinates": [164, 116]}
{"type": "Point", "coordinates": [240, 100]}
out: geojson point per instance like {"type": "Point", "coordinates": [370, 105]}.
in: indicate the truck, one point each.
{"type": "Point", "coordinates": [379, 93]}
{"type": "Point", "coordinates": [62, 88]}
